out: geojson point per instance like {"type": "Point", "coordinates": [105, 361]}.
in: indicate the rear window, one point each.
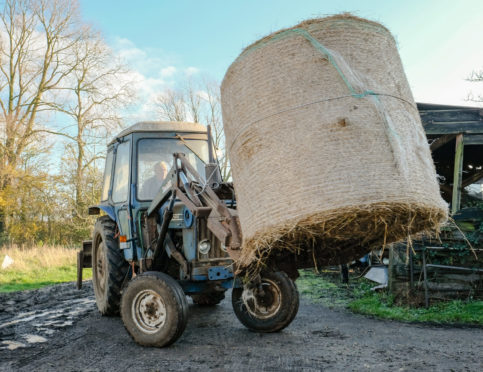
{"type": "Point", "coordinates": [120, 186]}
{"type": "Point", "coordinates": [107, 176]}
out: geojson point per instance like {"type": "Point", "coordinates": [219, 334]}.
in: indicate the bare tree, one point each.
{"type": "Point", "coordinates": [36, 38]}
{"type": "Point", "coordinates": [172, 105]}
{"type": "Point", "coordinates": [94, 94]}
{"type": "Point", "coordinates": [213, 118]}
{"type": "Point", "coordinates": [193, 101]}
{"type": "Point", "coordinates": [199, 103]}
{"type": "Point", "coordinates": [475, 77]}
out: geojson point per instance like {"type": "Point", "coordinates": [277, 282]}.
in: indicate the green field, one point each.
{"type": "Point", "coordinates": [326, 288]}
{"type": "Point", "coordinates": [37, 267]}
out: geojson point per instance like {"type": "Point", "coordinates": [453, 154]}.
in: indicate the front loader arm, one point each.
{"type": "Point", "coordinates": [184, 183]}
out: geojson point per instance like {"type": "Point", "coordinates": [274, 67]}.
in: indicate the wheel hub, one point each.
{"type": "Point", "coordinates": [149, 311]}
{"type": "Point", "coordinates": [263, 304]}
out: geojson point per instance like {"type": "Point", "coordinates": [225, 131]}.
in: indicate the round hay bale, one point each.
{"type": "Point", "coordinates": [326, 145]}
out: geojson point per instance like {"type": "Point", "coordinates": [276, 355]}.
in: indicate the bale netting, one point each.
{"type": "Point", "coordinates": [328, 154]}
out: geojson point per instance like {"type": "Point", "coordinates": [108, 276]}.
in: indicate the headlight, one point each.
{"type": "Point", "coordinates": [204, 246]}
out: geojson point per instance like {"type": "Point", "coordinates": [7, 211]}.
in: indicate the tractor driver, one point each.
{"type": "Point", "coordinates": [152, 185]}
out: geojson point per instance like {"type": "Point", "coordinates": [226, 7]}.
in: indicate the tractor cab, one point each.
{"type": "Point", "coordinates": [137, 163]}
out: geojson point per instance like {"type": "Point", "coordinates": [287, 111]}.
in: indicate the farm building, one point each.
{"type": "Point", "coordinates": [448, 266]}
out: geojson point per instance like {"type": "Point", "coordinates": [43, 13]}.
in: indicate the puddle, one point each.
{"type": "Point", "coordinates": [12, 345]}
{"type": "Point", "coordinates": [27, 317]}
{"type": "Point", "coordinates": [72, 309]}
{"type": "Point", "coordinates": [33, 327]}
{"type": "Point", "coordinates": [34, 339]}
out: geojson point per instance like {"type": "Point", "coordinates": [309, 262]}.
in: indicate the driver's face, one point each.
{"type": "Point", "coordinates": [161, 171]}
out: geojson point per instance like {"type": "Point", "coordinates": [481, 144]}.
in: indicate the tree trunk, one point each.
{"type": "Point", "coordinates": [79, 202]}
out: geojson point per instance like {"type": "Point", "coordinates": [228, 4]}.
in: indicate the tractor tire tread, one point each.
{"type": "Point", "coordinates": [282, 319]}
{"type": "Point", "coordinates": [117, 267]}
{"type": "Point", "coordinates": [178, 297]}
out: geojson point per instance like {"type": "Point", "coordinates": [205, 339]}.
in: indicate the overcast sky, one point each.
{"type": "Point", "coordinates": [440, 41]}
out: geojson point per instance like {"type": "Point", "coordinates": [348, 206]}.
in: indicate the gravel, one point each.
{"type": "Point", "coordinates": [59, 328]}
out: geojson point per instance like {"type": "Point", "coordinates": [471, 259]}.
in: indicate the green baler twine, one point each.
{"type": "Point", "coordinates": [317, 45]}
{"type": "Point", "coordinates": [322, 49]}
{"type": "Point", "coordinates": [392, 134]}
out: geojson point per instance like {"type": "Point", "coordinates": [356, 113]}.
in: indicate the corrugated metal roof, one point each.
{"type": "Point", "coordinates": [446, 119]}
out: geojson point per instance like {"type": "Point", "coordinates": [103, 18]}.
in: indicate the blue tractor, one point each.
{"type": "Point", "coordinates": [169, 229]}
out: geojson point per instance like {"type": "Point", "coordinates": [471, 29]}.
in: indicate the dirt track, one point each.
{"type": "Point", "coordinates": [59, 328]}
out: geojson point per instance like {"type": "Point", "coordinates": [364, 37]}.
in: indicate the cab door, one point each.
{"type": "Point", "coordinates": [120, 195]}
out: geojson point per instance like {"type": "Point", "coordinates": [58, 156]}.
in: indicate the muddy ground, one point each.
{"type": "Point", "coordinates": [59, 328]}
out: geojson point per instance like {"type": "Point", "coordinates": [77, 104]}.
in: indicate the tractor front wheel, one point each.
{"type": "Point", "coordinates": [154, 309]}
{"type": "Point", "coordinates": [269, 306]}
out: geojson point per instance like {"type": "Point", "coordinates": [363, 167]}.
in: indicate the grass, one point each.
{"type": "Point", "coordinates": [37, 267]}
{"type": "Point", "coordinates": [326, 288]}
{"type": "Point", "coordinates": [322, 290]}
{"type": "Point", "coordinates": [456, 311]}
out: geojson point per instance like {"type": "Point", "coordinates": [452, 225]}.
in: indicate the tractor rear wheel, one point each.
{"type": "Point", "coordinates": [208, 299]}
{"type": "Point", "coordinates": [154, 309]}
{"type": "Point", "coordinates": [269, 307]}
{"type": "Point", "coordinates": [109, 268]}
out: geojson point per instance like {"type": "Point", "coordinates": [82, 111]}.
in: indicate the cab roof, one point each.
{"type": "Point", "coordinates": [161, 126]}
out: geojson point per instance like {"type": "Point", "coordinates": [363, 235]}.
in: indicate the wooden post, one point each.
{"type": "Point", "coordinates": [80, 263]}
{"type": "Point", "coordinates": [390, 269]}
{"type": "Point", "coordinates": [425, 276]}
{"type": "Point", "coordinates": [411, 269]}
{"type": "Point", "coordinates": [458, 174]}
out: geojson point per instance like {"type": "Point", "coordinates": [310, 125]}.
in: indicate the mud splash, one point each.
{"type": "Point", "coordinates": [31, 317]}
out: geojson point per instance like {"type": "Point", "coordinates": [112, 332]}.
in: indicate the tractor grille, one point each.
{"type": "Point", "coordinates": [216, 252]}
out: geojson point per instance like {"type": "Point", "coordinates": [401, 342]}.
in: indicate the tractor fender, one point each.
{"type": "Point", "coordinates": [96, 209]}
{"type": "Point", "coordinates": [109, 211]}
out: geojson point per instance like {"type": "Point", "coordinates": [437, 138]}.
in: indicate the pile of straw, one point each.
{"type": "Point", "coordinates": [326, 145]}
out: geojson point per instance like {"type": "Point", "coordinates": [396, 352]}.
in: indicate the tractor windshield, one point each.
{"type": "Point", "coordinates": [155, 158]}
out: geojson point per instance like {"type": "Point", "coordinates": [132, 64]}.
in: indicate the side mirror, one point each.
{"type": "Point", "coordinates": [93, 210]}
